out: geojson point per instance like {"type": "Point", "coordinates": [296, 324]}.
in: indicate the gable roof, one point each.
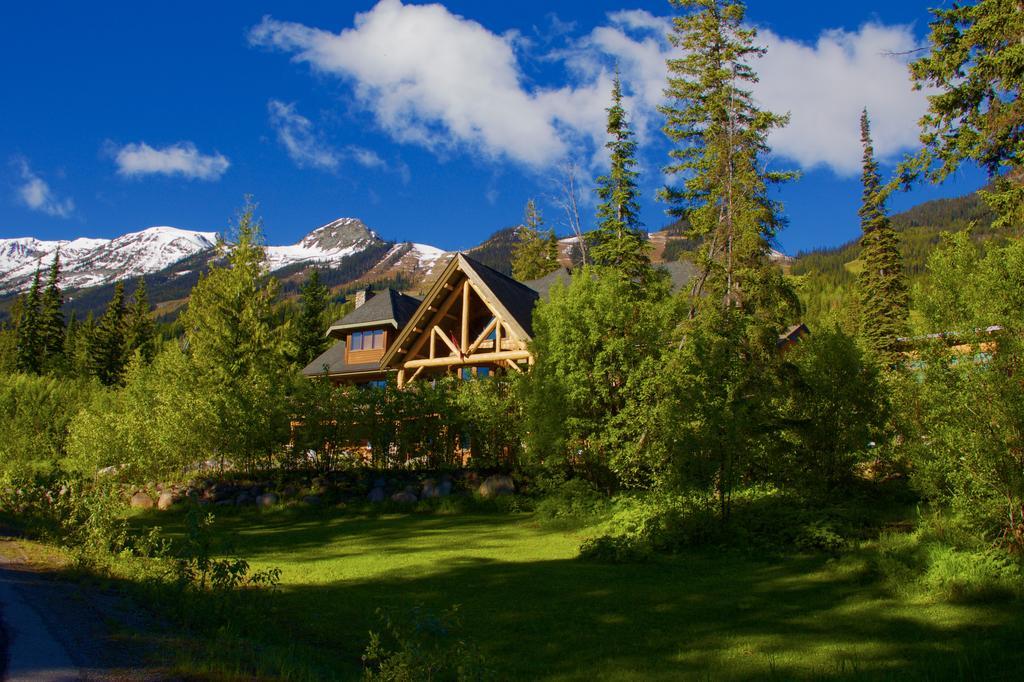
{"type": "Point", "coordinates": [517, 298]}
{"type": "Point", "coordinates": [386, 307]}
{"type": "Point", "coordinates": [512, 300]}
{"type": "Point", "coordinates": [333, 362]}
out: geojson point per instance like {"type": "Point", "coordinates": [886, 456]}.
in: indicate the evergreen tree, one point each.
{"type": "Point", "coordinates": [535, 253]}
{"type": "Point", "coordinates": [236, 352]}
{"type": "Point", "coordinates": [140, 332]}
{"type": "Point", "coordinates": [27, 325]}
{"type": "Point", "coordinates": [975, 71]}
{"type": "Point", "coordinates": [618, 241]}
{"type": "Point", "coordinates": [51, 320]}
{"type": "Point", "coordinates": [726, 379]}
{"type": "Point", "coordinates": [883, 292]}
{"type": "Point", "coordinates": [309, 338]}
{"type": "Point", "coordinates": [721, 137]}
{"type": "Point", "coordinates": [106, 347]}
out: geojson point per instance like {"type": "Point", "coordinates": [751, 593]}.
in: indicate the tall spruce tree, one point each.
{"type": "Point", "coordinates": [236, 351]}
{"type": "Point", "coordinates": [974, 74]}
{"type": "Point", "coordinates": [618, 241]}
{"type": "Point", "coordinates": [309, 339]}
{"type": "Point", "coordinates": [726, 379]}
{"type": "Point", "coordinates": [140, 331]}
{"type": "Point", "coordinates": [51, 320]}
{"type": "Point", "coordinates": [107, 358]}
{"type": "Point", "coordinates": [721, 137]}
{"type": "Point", "coordinates": [535, 253]}
{"type": "Point", "coordinates": [27, 325]}
{"type": "Point", "coordinates": [884, 304]}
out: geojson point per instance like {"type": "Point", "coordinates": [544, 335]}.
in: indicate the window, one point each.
{"type": "Point", "coordinates": [368, 340]}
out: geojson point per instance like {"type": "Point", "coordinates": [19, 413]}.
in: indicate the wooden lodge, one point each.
{"type": "Point", "coordinates": [473, 322]}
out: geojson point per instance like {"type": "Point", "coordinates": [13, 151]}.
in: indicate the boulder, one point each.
{"type": "Point", "coordinates": [141, 500]}
{"type": "Point", "coordinates": [266, 500]}
{"type": "Point", "coordinates": [377, 495]}
{"type": "Point", "coordinates": [165, 501]}
{"type": "Point", "coordinates": [404, 497]}
{"type": "Point", "coordinates": [429, 489]}
{"type": "Point", "coordinates": [498, 484]}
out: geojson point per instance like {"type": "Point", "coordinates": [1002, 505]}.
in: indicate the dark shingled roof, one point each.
{"type": "Point", "coordinates": [384, 307]}
{"type": "Point", "coordinates": [333, 359]}
{"type": "Point", "coordinates": [517, 297]}
{"type": "Point", "coordinates": [543, 285]}
{"type": "Point", "coordinates": [679, 272]}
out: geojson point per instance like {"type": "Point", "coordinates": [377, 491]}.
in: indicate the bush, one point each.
{"type": "Point", "coordinates": [422, 646]}
{"type": "Point", "coordinates": [571, 503]}
{"type": "Point", "coordinates": [35, 415]}
{"type": "Point", "coordinates": [944, 560]}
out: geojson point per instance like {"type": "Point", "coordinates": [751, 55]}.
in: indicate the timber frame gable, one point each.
{"type": "Point", "coordinates": [472, 317]}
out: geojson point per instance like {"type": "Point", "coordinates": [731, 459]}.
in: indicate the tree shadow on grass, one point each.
{"type": "Point", "coordinates": [700, 615]}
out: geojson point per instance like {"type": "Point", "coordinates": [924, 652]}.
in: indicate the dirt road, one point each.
{"type": "Point", "coordinates": [56, 630]}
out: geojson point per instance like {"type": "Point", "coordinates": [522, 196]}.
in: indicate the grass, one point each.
{"type": "Point", "coordinates": [536, 611]}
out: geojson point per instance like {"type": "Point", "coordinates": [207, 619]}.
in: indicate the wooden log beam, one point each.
{"type": "Point", "coordinates": [465, 316]}
{"type": "Point", "coordinates": [483, 335]}
{"type": "Point", "coordinates": [401, 378]}
{"type": "Point", "coordinates": [481, 358]}
{"type": "Point", "coordinates": [448, 303]}
{"type": "Point", "coordinates": [437, 331]}
{"type": "Point", "coordinates": [514, 365]}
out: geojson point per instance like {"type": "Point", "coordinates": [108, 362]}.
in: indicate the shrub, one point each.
{"type": "Point", "coordinates": [422, 646]}
{"type": "Point", "coordinates": [943, 559]}
{"type": "Point", "coordinates": [35, 415]}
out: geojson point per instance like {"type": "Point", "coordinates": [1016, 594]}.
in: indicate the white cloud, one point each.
{"type": "Point", "coordinates": [439, 80]}
{"type": "Point", "coordinates": [824, 86]}
{"type": "Point", "coordinates": [296, 133]}
{"type": "Point", "coordinates": [430, 77]}
{"type": "Point", "coordinates": [35, 193]}
{"type": "Point", "coordinates": [366, 157]}
{"type": "Point", "coordinates": [139, 159]}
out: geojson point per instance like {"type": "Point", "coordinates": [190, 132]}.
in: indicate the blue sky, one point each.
{"type": "Point", "coordinates": [432, 123]}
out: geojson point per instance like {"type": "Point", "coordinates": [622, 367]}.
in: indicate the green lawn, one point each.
{"type": "Point", "coordinates": [538, 612]}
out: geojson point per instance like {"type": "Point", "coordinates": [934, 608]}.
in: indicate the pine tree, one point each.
{"type": "Point", "coordinates": [140, 332]}
{"type": "Point", "coordinates": [236, 350]}
{"type": "Point", "coordinates": [30, 351]}
{"type": "Point", "coordinates": [974, 74]}
{"type": "Point", "coordinates": [51, 320]}
{"type": "Point", "coordinates": [727, 376]}
{"type": "Point", "coordinates": [106, 348]}
{"type": "Point", "coordinates": [881, 287]}
{"type": "Point", "coordinates": [535, 253]}
{"type": "Point", "coordinates": [309, 338]}
{"type": "Point", "coordinates": [721, 136]}
{"type": "Point", "coordinates": [618, 241]}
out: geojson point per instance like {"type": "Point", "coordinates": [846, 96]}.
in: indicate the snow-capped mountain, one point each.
{"type": "Point", "coordinates": [88, 262]}
{"type": "Point", "coordinates": [94, 262]}
{"type": "Point", "coordinates": [329, 243]}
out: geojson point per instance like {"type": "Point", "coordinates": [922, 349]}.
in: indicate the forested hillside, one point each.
{"type": "Point", "coordinates": [829, 275]}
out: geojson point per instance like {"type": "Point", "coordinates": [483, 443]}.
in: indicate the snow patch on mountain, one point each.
{"type": "Point", "coordinates": [330, 243]}
{"type": "Point", "coordinates": [88, 262]}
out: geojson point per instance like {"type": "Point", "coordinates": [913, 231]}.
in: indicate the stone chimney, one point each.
{"type": "Point", "coordinates": [363, 295]}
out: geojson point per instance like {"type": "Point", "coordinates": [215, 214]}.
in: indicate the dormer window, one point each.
{"type": "Point", "coordinates": [367, 340]}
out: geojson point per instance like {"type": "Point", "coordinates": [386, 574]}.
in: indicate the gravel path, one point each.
{"type": "Point", "coordinates": [55, 631]}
